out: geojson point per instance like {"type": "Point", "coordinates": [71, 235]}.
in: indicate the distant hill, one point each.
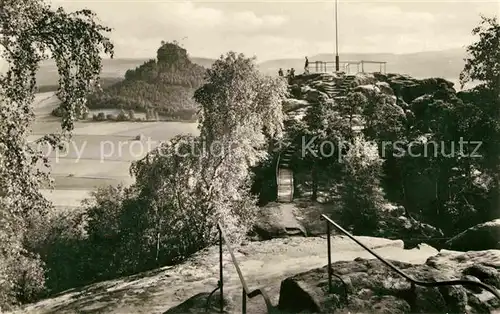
{"type": "Point", "coordinates": [446, 64]}
{"type": "Point", "coordinates": [163, 86]}
{"type": "Point", "coordinates": [111, 69]}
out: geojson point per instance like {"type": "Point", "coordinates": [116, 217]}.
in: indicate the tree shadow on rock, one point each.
{"type": "Point", "coordinates": [197, 304]}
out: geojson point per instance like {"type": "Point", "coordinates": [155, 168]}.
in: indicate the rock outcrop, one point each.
{"type": "Point", "coordinates": [368, 286]}
{"type": "Point", "coordinates": [484, 236]}
{"type": "Point", "coordinates": [413, 232]}
{"type": "Point", "coordinates": [277, 221]}
{"type": "Point", "coordinates": [402, 90]}
{"type": "Point", "coordinates": [398, 98]}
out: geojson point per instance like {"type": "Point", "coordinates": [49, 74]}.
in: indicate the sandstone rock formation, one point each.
{"type": "Point", "coordinates": [401, 97]}
{"type": "Point", "coordinates": [368, 286]}
{"type": "Point", "coordinates": [480, 237]}
{"type": "Point", "coordinates": [278, 221]}
{"type": "Point", "coordinates": [401, 89]}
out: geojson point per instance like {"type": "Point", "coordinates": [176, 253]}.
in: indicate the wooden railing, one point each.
{"type": "Point", "coordinates": [345, 66]}
{"type": "Point", "coordinates": [246, 292]}
{"type": "Point", "coordinates": [413, 282]}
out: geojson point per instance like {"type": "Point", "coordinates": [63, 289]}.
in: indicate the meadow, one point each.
{"type": "Point", "coordinates": [99, 153]}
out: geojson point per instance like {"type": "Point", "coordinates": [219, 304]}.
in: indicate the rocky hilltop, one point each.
{"type": "Point", "coordinates": [165, 84]}
{"type": "Point", "coordinates": [401, 90]}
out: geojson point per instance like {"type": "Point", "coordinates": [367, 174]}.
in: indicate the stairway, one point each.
{"type": "Point", "coordinates": [340, 91]}
{"type": "Point", "coordinates": [285, 176]}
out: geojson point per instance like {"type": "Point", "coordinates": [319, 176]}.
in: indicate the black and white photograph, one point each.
{"type": "Point", "coordinates": [249, 156]}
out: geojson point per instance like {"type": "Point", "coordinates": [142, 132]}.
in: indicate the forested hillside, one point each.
{"type": "Point", "coordinates": [165, 84]}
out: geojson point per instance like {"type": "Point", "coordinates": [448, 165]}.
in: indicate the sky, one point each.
{"type": "Point", "coordinates": [287, 29]}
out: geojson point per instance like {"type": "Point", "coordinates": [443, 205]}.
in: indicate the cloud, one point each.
{"type": "Point", "coordinates": [154, 18]}
{"type": "Point", "coordinates": [250, 19]}
{"type": "Point", "coordinates": [138, 27]}
{"type": "Point", "coordinates": [279, 29]}
{"type": "Point", "coordinates": [194, 15]}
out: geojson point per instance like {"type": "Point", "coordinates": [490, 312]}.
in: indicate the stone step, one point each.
{"type": "Point", "coordinates": [286, 190]}
{"type": "Point", "coordinates": [287, 181]}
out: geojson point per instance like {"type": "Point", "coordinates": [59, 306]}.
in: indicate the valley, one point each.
{"type": "Point", "coordinates": [99, 154]}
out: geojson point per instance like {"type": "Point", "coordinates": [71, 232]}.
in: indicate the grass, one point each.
{"type": "Point", "coordinates": [100, 153]}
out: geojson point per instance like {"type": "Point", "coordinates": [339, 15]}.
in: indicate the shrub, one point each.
{"type": "Point", "coordinates": [30, 284]}
{"type": "Point", "coordinates": [361, 193]}
{"type": "Point", "coordinates": [57, 112]}
{"type": "Point", "coordinates": [60, 241]}
{"type": "Point", "coordinates": [122, 116]}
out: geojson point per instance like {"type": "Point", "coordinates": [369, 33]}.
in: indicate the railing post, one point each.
{"type": "Point", "coordinates": [362, 67]}
{"type": "Point", "coordinates": [243, 301]}
{"type": "Point", "coordinates": [329, 257]}
{"type": "Point", "coordinates": [221, 274]}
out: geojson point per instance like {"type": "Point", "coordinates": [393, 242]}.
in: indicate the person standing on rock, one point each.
{"type": "Point", "coordinates": [280, 72]}
{"type": "Point", "coordinates": [306, 66]}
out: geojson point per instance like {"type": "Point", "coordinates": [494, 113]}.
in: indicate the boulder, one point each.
{"type": "Point", "coordinates": [480, 237]}
{"type": "Point", "coordinates": [385, 88]}
{"type": "Point", "coordinates": [294, 104]}
{"type": "Point", "coordinates": [409, 88]}
{"type": "Point", "coordinates": [369, 286]}
{"type": "Point", "coordinates": [364, 79]}
{"type": "Point", "coordinates": [313, 95]}
{"type": "Point", "coordinates": [368, 90]}
{"type": "Point", "coordinates": [277, 221]}
{"type": "Point", "coordinates": [410, 230]}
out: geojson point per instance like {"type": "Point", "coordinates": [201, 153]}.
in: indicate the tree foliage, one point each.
{"type": "Point", "coordinates": [482, 63]}
{"type": "Point", "coordinates": [31, 31]}
{"type": "Point", "coordinates": [182, 189]}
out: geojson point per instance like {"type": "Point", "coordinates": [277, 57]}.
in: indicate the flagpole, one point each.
{"type": "Point", "coordinates": [337, 65]}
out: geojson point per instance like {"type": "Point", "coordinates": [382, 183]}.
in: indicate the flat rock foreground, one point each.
{"type": "Point", "coordinates": [296, 266]}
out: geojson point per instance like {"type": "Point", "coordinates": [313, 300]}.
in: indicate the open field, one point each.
{"type": "Point", "coordinates": [99, 154]}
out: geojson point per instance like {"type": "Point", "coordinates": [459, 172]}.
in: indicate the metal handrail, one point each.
{"type": "Point", "coordinates": [245, 291]}
{"type": "Point", "coordinates": [278, 173]}
{"type": "Point", "coordinates": [397, 270]}
{"type": "Point", "coordinates": [322, 65]}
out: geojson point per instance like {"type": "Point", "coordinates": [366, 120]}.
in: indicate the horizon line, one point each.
{"type": "Point", "coordinates": [292, 58]}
